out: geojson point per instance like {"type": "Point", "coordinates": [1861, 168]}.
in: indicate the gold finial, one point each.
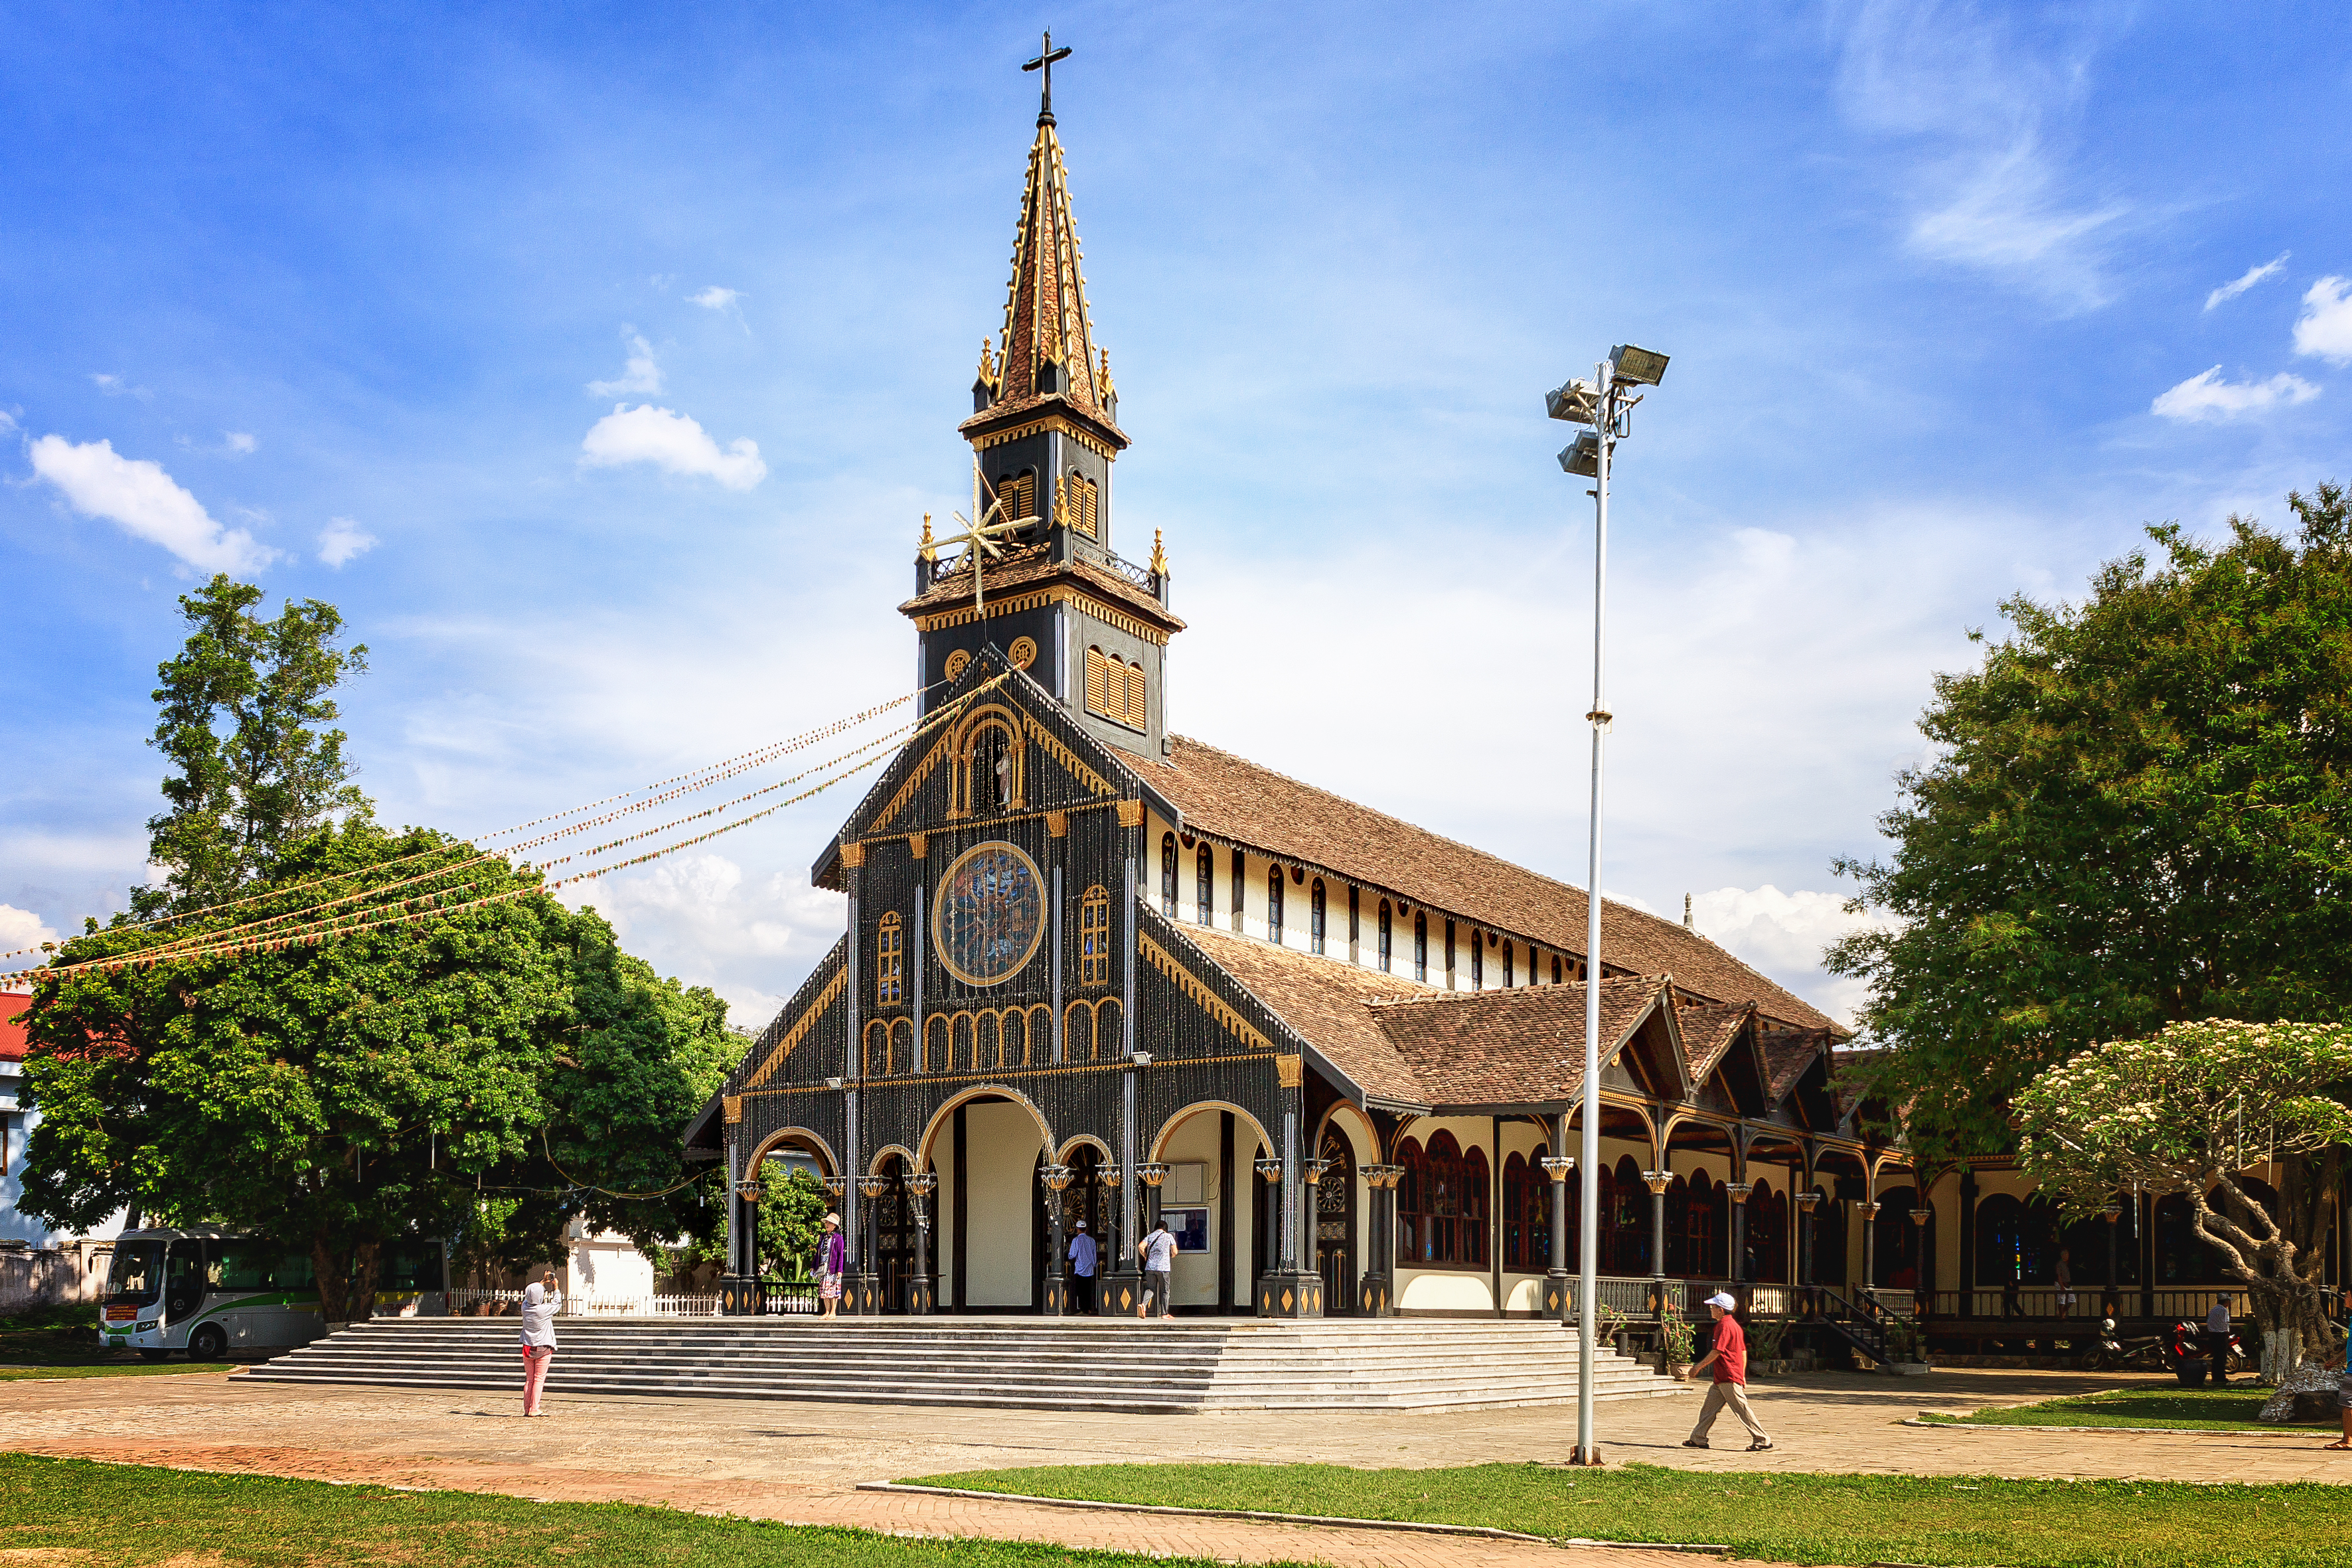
{"type": "Point", "coordinates": [1158, 555]}
{"type": "Point", "coordinates": [1061, 499]}
{"type": "Point", "coordinates": [926, 549]}
{"type": "Point", "coordinates": [1108, 390]}
{"type": "Point", "coordinates": [988, 367]}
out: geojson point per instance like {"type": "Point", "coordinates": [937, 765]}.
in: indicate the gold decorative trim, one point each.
{"type": "Point", "coordinates": [1057, 824]}
{"type": "Point", "coordinates": [1022, 653]}
{"type": "Point", "coordinates": [958, 662]}
{"type": "Point", "coordinates": [1071, 764]}
{"type": "Point", "coordinates": [919, 845]}
{"type": "Point", "coordinates": [1291, 1070]}
{"type": "Point", "coordinates": [915, 777]}
{"type": "Point", "coordinates": [800, 1027]}
{"type": "Point", "coordinates": [732, 1105]}
{"type": "Point", "coordinates": [1208, 1000]}
{"type": "Point", "coordinates": [1086, 604]}
{"type": "Point", "coordinates": [1051, 422]}
{"type": "Point", "coordinates": [1130, 813]}
{"type": "Point", "coordinates": [938, 913]}
{"type": "Point", "coordinates": [852, 855]}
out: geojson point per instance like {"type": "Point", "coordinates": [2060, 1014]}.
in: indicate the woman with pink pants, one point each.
{"type": "Point", "coordinates": [539, 1302]}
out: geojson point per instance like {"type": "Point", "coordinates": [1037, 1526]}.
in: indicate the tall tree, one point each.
{"type": "Point", "coordinates": [2139, 812]}
{"type": "Point", "coordinates": [245, 723]}
{"type": "Point", "coordinates": [504, 1064]}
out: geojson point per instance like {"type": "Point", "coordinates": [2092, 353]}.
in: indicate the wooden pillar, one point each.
{"type": "Point", "coordinates": [1224, 1209]}
{"type": "Point", "coordinates": [962, 1214]}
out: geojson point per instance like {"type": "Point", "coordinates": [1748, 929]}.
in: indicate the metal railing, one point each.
{"type": "Point", "coordinates": [1141, 576]}
{"type": "Point", "coordinates": [506, 1303]}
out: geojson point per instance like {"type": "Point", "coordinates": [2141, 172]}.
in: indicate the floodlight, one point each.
{"type": "Point", "coordinates": [1582, 455]}
{"type": "Point", "coordinates": [1578, 402]}
{"type": "Point", "coordinates": [1639, 366]}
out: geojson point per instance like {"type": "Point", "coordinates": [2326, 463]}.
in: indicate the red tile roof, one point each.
{"type": "Point", "coordinates": [1230, 798]}
{"type": "Point", "coordinates": [1707, 1033]}
{"type": "Point", "coordinates": [1327, 1002]}
{"type": "Point", "coordinates": [1520, 1046]}
{"type": "Point", "coordinates": [13, 1007]}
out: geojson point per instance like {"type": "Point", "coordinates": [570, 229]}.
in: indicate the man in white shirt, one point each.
{"type": "Point", "coordinates": [2217, 1337]}
{"type": "Point", "coordinates": [1158, 1251]}
{"type": "Point", "coordinates": [1082, 1268]}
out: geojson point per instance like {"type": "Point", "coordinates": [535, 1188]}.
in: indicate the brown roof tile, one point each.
{"type": "Point", "coordinates": [1228, 797]}
{"type": "Point", "coordinates": [1030, 566]}
{"type": "Point", "coordinates": [1707, 1033]}
{"type": "Point", "coordinates": [1327, 1002]}
{"type": "Point", "coordinates": [1520, 1046]}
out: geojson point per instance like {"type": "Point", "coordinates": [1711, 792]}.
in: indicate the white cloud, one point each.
{"type": "Point", "coordinates": [144, 499]}
{"type": "Point", "coordinates": [2252, 276]}
{"type": "Point", "coordinates": [2325, 328]}
{"type": "Point", "coordinates": [1990, 192]}
{"type": "Point", "coordinates": [699, 916]}
{"type": "Point", "coordinates": [115, 387]}
{"type": "Point", "coordinates": [642, 373]}
{"type": "Point", "coordinates": [233, 444]}
{"type": "Point", "coordinates": [7, 420]}
{"type": "Point", "coordinates": [21, 929]}
{"type": "Point", "coordinates": [341, 540]}
{"type": "Point", "coordinates": [649, 435]}
{"type": "Point", "coordinates": [2209, 397]}
{"type": "Point", "coordinates": [715, 298]}
{"type": "Point", "coordinates": [1783, 934]}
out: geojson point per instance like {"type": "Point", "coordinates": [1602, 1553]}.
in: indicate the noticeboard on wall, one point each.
{"type": "Point", "coordinates": [1189, 1226]}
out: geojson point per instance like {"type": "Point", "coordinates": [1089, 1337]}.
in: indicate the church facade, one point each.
{"type": "Point", "coordinates": [1096, 971]}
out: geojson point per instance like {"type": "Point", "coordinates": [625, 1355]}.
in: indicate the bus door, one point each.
{"type": "Point", "coordinates": [183, 1284]}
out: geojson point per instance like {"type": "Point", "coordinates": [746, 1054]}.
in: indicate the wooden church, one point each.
{"type": "Point", "coordinates": [1095, 970]}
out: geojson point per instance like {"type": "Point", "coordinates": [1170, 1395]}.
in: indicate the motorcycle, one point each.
{"type": "Point", "coordinates": [2114, 1354]}
{"type": "Point", "coordinates": [2186, 1351]}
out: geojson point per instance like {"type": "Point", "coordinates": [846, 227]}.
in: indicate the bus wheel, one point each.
{"type": "Point", "coordinates": [209, 1343]}
{"type": "Point", "coordinates": [153, 1355]}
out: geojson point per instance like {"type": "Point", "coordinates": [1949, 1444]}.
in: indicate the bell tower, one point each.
{"type": "Point", "coordinates": [1039, 577]}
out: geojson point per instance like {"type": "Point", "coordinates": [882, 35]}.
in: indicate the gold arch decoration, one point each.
{"type": "Point", "coordinates": [965, 740]}
{"type": "Point", "coordinates": [1022, 653]}
{"type": "Point", "coordinates": [775, 1140]}
{"type": "Point", "coordinates": [1209, 1002]}
{"type": "Point", "coordinates": [1367, 1135]}
{"type": "Point", "coordinates": [958, 662]}
{"type": "Point", "coordinates": [947, 1110]}
{"type": "Point", "coordinates": [1200, 1107]}
{"type": "Point", "coordinates": [941, 933]}
{"type": "Point", "coordinates": [1093, 1031]}
{"type": "Point", "coordinates": [885, 1155]}
{"type": "Point", "coordinates": [800, 1028]}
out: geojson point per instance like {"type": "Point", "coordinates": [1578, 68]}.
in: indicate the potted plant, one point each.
{"type": "Point", "coordinates": [1764, 1341]}
{"type": "Point", "coordinates": [1675, 1361]}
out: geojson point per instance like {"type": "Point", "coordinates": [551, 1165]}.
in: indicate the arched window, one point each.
{"type": "Point", "coordinates": [1421, 948]}
{"type": "Point", "coordinates": [1085, 505]}
{"type": "Point", "coordinates": [1767, 1237]}
{"type": "Point", "coordinates": [1093, 937]}
{"type": "Point", "coordinates": [1078, 1032]}
{"type": "Point", "coordinates": [1449, 955]}
{"type": "Point", "coordinates": [1116, 690]}
{"type": "Point", "coordinates": [1527, 1215]}
{"type": "Point", "coordinates": [1205, 877]}
{"type": "Point", "coordinates": [1413, 1201]}
{"type": "Point", "coordinates": [988, 771]}
{"type": "Point", "coordinates": [1555, 971]}
{"type": "Point", "coordinates": [890, 958]}
{"type": "Point", "coordinates": [1629, 1226]}
{"type": "Point", "coordinates": [1168, 875]}
{"type": "Point", "coordinates": [1477, 962]}
{"type": "Point", "coordinates": [1384, 936]}
{"type": "Point", "coordinates": [2183, 1256]}
{"type": "Point", "coordinates": [1110, 1040]}
{"type": "Point", "coordinates": [878, 1049]}
{"type": "Point", "coordinates": [1241, 868]}
{"type": "Point", "coordinates": [1355, 922]}
{"type": "Point", "coordinates": [1314, 916]}
{"type": "Point", "coordinates": [1274, 904]}
{"type": "Point", "coordinates": [902, 1045]}
{"type": "Point", "coordinates": [1471, 1239]}
{"type": "Point", "coordinates": [1016, 497]}
{"type": "Point", "coordinates": [1895, 1252]}
{"type": "Point", "coordinates": [1509, 977]}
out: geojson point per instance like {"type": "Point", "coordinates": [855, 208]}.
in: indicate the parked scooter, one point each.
{"type": "Point", "coordinates": [2114, 1354]}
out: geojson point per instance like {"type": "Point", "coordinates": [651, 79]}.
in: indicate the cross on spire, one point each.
{"type": "Point", "coordinates": [1044, 62]}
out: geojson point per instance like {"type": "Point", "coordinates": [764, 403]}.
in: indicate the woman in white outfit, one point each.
{"type": "Point", "coordinates": [539, 1302]}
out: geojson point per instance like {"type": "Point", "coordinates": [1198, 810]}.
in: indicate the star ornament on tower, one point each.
{"type": "Point", "coordinates": [979, 539]}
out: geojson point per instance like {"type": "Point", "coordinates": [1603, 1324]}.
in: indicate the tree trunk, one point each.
{"type": "Point", "coordinates": [334, 1279]}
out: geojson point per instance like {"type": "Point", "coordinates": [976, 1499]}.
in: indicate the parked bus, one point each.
{"type": "Point", "coordinates": [210, 1291]}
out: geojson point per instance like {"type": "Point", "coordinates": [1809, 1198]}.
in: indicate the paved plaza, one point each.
{"type": "Point", "coordinates": [802, 1462]}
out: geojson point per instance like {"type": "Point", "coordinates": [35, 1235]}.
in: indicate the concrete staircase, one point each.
{"type": "Point", "coordinates": [1182, 1366]}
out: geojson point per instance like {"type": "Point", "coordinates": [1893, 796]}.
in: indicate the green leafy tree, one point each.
{"type": "Point", "coordinates": [2190, 1110]}
{"type": "Point", "coordinates": [2140, 814]}
{"type": "Point", "coordinates": [793, 1206]}
{"type": "Point", "coordinates": [244, 715]}
{"type": "Point", "coordinates": [502, 1067]}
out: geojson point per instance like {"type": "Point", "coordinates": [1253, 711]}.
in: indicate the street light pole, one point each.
{"type": "Point", "coordinates": [1603, 405]}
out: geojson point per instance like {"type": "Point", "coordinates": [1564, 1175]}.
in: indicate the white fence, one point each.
{"type": "Point", "coordinates": [502, 1303]}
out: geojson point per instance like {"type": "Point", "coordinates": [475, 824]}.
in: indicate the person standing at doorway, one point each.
{"type": "Point", "coordinates": [1158, 1251]}
{"type": "Point", "coordinates": [832, 1265]}
{"type": "Point", "coordinates": [2064, 1277]}
{"type": "Point", "coordinates": [541, 1300]}
{"type": "Point", "coordinates": [1730, 1358]}
{"type": "Point", "coordinates": [2217, 1338]}
{"type": "Point", "coordinates": [1082, 1268]}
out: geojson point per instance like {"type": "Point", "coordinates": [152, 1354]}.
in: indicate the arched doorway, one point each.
{"type": "Point", "coordinates": [1895, 1257]}
{"type": "Point", "coordinates": [893, 1235]}
{"type": "Point", "coordinates": [1335, 1225]}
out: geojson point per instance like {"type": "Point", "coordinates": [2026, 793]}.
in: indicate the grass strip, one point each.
{"type": "Point", "coordinates": [2185, 1409]}
{"type": "Point", "coordinates": [51, 1510]}
{"type": "Point", "coordinates": [114, 1369]}
{"type": "Point", "coordinates": [63, 1341]}
{"type": "Point", "coordinates": [1940, 1521]}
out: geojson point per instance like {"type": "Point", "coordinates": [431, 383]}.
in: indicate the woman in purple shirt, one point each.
{"type": "Point", "coordinates": [831, 1263]}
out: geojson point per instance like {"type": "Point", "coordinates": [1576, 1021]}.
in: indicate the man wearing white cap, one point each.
{"type": "Point", "coordinates": [1082, 1267]}
{"type": "Point", "coordinates": [1730, 1358]}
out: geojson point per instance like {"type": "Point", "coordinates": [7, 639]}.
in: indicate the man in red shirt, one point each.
{"type": "Point", "coordinates": [1730, 1358]}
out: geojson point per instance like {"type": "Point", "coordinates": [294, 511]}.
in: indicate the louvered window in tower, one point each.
{"type": "Point", "coordinates": [1116, 690]}
{"type": "Point", "coordinates": [889, 961]}
{"type": "Point", "coordinates": [1094, 938]}
{"type": "Point", "coordinates": [1016, 497]}
{"type": "Point", "coordinates": [1085, 505]}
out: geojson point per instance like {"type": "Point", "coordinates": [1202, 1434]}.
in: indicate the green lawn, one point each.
{"type": "Point", "coordinates": [128, 1515]}
{"type": "Point", "coordinates": [1967, 1522]}
{"type": "Point", "coordinates": [2214, 1409]}
{"type": "Point", "coordinates": [62, 1341]}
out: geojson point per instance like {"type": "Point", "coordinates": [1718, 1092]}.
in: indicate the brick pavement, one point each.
{"type": "Point", "coordinates": [801, 1461]}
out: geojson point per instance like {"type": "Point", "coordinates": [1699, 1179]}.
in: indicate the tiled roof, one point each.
{"type": "Point", "coordinates": [1707, 1033]}
{"type": "Point", "coordinates": [1787, 1053]}
{"type": "Point", "coordinates": [14, 1004]}
{"type": "Point", "coordinates": [1520, 1046]}
{"type": "Point", "coordinates": [1228, 797]}
{"type": "Point", "coordinates": [1031, 565]}
{"type": "Point", "coordinates": [1327, 1002]}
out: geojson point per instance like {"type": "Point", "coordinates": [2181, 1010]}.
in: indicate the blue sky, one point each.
{"type": "Point", "coordinates": [348, 297]}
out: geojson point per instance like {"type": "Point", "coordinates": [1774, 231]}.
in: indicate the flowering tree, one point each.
{"type": "Point", "coordinates": [2192, 1109]}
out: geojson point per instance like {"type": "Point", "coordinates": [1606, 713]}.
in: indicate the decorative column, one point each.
{"type": "Point", "coordinates": [1310, 1214]}
{"type": "Point", "coordinates": [1269, 1222]}
{"type": "Point", "coordinates": [1738, 1192]}
{"type": "Point", "coordinates": [1291, 1291]}
{"type": "Point", "coordinates": [1923, 1218]}
{"type": "Point", "coordinates": [1118, 1283]}
{"type": "Point", "coordinates": [1805, 1201]}
{"type": "Point", "coordinates": [1056, 1295]}
{"type": "Point", "coordinates": [1869, 1212]}
{"type": "Point", "coordinates": [732, 1284]}
{"type": "Point", "coordinates": [1559, 1298]}
{"type": "Point", "coordinates": [2110, 1301]}
{"type": "Point", "coordinates": [1152, 1173]}
{"type": "Point", "coordinates": [1377, 1296]}
{"type": "Point", "coordinates": [861, 1293]}
{"type": "Point", "coordinates": [743, 1231]}
{"type": "Point", "coordinates": [923, 1290]}
{"type": "Point", "coordinates": [1658, 1181]}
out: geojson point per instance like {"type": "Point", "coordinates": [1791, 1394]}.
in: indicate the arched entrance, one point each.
{"type": "Point", "coordinates": [894, 1234]}
{"type": "Point", "coordinates": [1336, 1255]}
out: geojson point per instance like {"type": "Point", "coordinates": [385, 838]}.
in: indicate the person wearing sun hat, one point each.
{"type": "Point", "coordinates": [1730, 1358]}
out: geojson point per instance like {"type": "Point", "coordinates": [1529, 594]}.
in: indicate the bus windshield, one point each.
{"type": "Point", "coordinates": [137, 1277]}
